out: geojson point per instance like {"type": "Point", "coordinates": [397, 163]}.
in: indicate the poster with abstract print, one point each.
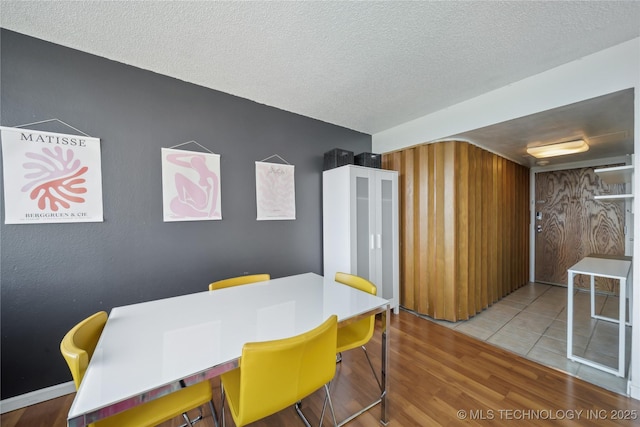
{"type": "Point", "coordinates": [50, 177]}
{"type": "Point", "coordinates": [275, 191]}
{"type": "Point", "coordinates": [190, 186]}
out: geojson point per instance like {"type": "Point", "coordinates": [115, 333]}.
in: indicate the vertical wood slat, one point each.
{"type": "Point", "coordinates": [424, 231]}
{"type": "Point", "coordinates": [492, 276]}
{"type": "Point", "coordinates": [450, 239]}
{"type": "Point", "coordinates": [464, 228]}
{"type": "Point", "coordinates": [463, 264]}
{"type": "Point", "coordinates": [477, 225]}
{"type": "Point", "coordinates": [395, 161]}
{"type": "Point", "coordinates": [499, 194]}
{"type": "Point", "coordinates": [471, 231]}
{"type": "Point", "coordinates": [437, 212]}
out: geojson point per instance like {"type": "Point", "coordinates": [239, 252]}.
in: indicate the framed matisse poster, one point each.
{"type": "Point", "coordinates": [190, 186]}
{"type": "Point", "coordinates": [50, 177]}
{"type": "Point", "coordinates": [275, 191]}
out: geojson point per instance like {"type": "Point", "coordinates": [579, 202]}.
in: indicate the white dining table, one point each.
{"type": "Point", "coordinates": [150, 349]}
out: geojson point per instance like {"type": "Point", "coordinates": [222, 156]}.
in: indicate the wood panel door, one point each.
{"type": "Point", "coordinates": [570, 224]}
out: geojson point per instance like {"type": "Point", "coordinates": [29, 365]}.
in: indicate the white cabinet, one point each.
{"type": "Point", "coordinates": [360, 226]}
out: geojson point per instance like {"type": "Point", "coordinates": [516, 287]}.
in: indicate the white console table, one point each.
{"type": "Point", "coordinates": [614, 268]}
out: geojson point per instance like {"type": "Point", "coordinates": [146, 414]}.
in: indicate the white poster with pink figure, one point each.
{"type": "Point", "coordinates": [50, 177]}
{"type": "Point", "coordinates": [190, 186]}
{"type": "Point", "coordinates": [275, 191]}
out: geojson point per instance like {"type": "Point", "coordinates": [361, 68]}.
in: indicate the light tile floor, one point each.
{"type": "Point", "coordinates": [532, 322]}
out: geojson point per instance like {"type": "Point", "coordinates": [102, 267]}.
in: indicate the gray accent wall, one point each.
{"type": "Point", "coordinates": [54, 275]}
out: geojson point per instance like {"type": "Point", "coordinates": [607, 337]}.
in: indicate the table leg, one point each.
{"type": "Point", "coordinates": [384, 418]}
{"type": "Point", "coordinates": [593, 295]}
{"type": "Point", "coordinates": [622, 324]}
{"type": "Point", "coordinates": [77, 422]}
{"type": "Point", "coordinates": [630, 296]}
{"type": "Point", "coordinates": [570, 315]}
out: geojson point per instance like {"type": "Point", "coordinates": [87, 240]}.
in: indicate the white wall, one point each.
{"type": "Point", "coordinates": [604, 72]}
{"type": "Point", "coordinates": [634, 384]}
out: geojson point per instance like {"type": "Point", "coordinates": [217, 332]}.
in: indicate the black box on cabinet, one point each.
{"type": "Point", "coordinates": [337, 157]}
{"type": "Point", "coordinates": [370, 160]}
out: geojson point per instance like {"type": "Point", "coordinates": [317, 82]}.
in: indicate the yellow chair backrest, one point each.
{"type": "Point", "coordinates": [240, 280]}
{"type": "Point", "coordinates": [78, 344]}
{"type": "Point", "coordinates": [276, 374]}
{"type": "Point", "coordinates": [358, 333]}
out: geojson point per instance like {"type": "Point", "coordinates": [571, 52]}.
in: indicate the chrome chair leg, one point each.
{"type": "Point", "coordinates": [186, 418]}
{"type": "Point", "coordinates": [372, 368]}
{"type": "Point", "coordinates": [327, 398]}
{"type": "Point", "coordinates": [366, 408]}
{"type": "Point", "coordinates": [222, 404]}
{"type": "Point", "coordinates": [298, 407]}
{"type": "Point", "coordinates": [189, 421]}
{"type": "Point", "coordinates": [214, 414]}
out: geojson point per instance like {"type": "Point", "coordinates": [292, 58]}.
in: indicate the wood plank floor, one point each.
{"type": "Point", "coordinates": [437, 377]}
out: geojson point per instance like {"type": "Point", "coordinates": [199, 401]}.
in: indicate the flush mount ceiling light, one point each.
{"type": "Point", "coordinates": [559, 149]}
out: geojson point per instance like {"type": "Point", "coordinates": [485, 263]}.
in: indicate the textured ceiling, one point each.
{"type": "Point", "coordinates": [366, 65]}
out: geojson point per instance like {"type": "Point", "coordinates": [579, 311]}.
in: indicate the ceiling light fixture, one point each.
{"type": "Point", "coordinates": [559, 149]}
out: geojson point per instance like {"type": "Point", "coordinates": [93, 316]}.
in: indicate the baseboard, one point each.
{"type": "Point", "coordinates": [38, 396]}
{"type": "Point", "coordinates": [634, 391]}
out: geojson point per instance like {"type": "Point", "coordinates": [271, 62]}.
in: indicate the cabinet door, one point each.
{"type": "Point", "coordinates": [386, 234]}
{"type": "Point", "coordinates": [363, 223]}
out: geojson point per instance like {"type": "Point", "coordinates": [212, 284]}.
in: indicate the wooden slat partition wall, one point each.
{"type": "Point", "coordinates": [464, 221]}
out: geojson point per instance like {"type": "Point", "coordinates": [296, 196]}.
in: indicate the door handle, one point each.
{"type": "Point", "coordinates": [539, 228]}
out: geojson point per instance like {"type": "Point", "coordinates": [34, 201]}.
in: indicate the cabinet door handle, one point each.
{"type": "Point", "coordinates": [371, 241]}
{"type": "Point", "coordinates": [379, 236]}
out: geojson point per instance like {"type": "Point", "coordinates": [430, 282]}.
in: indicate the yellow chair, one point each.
{"type": "Point", "coordinates": [276, 374]}
{"type": "Point", "coordinates": [240, 280]}
{"type": "Point", "coordinates": [77, 348]}
{"type": "Point", "coordinates": [359, 333]}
